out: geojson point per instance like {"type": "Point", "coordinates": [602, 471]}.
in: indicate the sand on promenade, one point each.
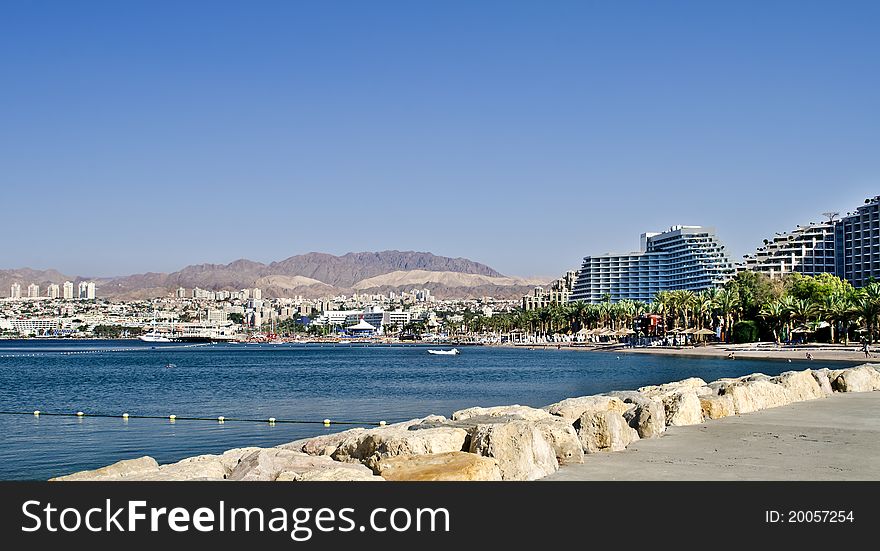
{"type": "Point", "coordinates": [835, 438]}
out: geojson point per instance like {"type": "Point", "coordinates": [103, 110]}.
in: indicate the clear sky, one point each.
{"type": "Point", "coordinates": [145, 136]}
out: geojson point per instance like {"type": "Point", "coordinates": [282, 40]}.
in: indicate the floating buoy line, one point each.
{"type": "Point", "coordinates": [173, 418]}
{"type": "Point", "coordinates": [102, 351]}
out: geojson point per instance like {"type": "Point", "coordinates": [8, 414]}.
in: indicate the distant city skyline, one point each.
{"type": "Point", "coordinates": [146, 137]}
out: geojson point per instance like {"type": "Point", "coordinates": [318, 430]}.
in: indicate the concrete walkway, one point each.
{"type": "Point", "coordinates": [836, 438]}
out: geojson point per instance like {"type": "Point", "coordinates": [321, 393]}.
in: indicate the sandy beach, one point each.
{"type": "Point", "coordinates": [767, 351]}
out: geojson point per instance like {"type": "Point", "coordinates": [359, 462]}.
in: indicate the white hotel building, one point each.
{"type": "Point", "coordinates": [682, 258]}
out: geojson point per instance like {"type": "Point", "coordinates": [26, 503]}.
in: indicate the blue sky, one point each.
{"type": "Point", "coordinates": [144, 136]}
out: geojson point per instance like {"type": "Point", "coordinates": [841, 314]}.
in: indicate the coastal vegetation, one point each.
{"type": "Point", "coordinates": [748, 308]}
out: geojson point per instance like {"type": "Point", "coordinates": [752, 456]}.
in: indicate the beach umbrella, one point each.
{"type": "Point", "coordinates": [704, 332]}
{"type": "Point", "coordinates": [801, 329]}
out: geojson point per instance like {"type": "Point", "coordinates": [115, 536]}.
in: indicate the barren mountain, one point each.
{"type": "Point", "coordinates": [344, 271]}
{"type": "Point", "coordinates": [310, 275]}
{"type": "Point", "coordinates": [444, 279]}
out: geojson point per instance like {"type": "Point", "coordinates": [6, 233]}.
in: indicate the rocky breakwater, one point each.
{"type": "Point", "coordinates": [503, 442]}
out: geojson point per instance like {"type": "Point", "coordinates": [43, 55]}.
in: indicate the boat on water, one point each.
{"type": "Point", "coordinates": [154, 337]}
{"type": "Point", "coordinates": [453, 352]}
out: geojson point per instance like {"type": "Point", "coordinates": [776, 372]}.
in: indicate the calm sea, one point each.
{"type": "Point", "coordinates": [288, 381]}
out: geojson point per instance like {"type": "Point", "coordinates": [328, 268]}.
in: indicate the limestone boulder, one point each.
{"type": "Point", "coordinates": [749, 396]}
{"type": "Point", "coordinates": [273, 463]}
{"type": "Point", "coordinates": [562, 437]}
{"type": "Point", "coordinates": [683, 408]}
{"type": "Point", "coordinates": [374, 444]}
{"type": "Point", "coordinates": [693, 383]}
{"type": "Point", "coordinates": [519, 447]}
{"type": "Point", "coordinates": [439, 467]}
{"type": "Point", "coordinates": [522, 412]}
{"type": "Point", "coordinates": [863, 378]}
{"type": "Point", "coordinates": [326, 444]}
{"type": "Point", "coordinates": [648, 417]}
{"type": "Point", "coordinates": [203, 467]}
{"type": "Point", "coordinates": [821, 376]}
{"type": "Point", "coordinates": [574, 408]}
{"type": "Point", "coordinates": [801, 385]}
{"type": "Point", "coordinates": [601, 431]}
{"type": "Point", "coordinates": [127, 469]}
{"type": "Point", "coordinates": [716, 407]}
{"type": "Point", "coordinates": [558, 431]}
{"type": "Point", "coordinates": [332, 473]}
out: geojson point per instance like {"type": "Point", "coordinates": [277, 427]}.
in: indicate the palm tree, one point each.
{"type": "Point", "coordinates": [868, 307]}
{"type": "Point", "coordinates": [775, 313]}
{"type": "Point", "coordinates": [662, 304]}
{"type": "Point", "coordinates": [577, 315]}
{"type": "Point", "coordinates": [703, 305]}
{"type": "Point", "coordinates": [727, 303]}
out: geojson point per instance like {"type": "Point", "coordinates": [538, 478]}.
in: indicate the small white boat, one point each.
{"type": "Point", "coordinates": [452, 352]}
{"type": "Point", "coordinates": [154, 337]}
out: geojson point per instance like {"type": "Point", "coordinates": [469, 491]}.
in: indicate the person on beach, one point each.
{"type": "Point", "coordinates": [730, 356]}
{"type": "Point", "coordinates": [867, 349]}
{"type": "Point", "coordinates": [809, 356]}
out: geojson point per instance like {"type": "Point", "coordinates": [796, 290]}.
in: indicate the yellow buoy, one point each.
{"type": "Point", "coordinates": [172, 417]}
{"type": "Point", "coordinates": [37, 412]}
{"type": "Point", "coordinates": [221, 419]}
{"type": "Point", "coordinates": [271, 420]}
{"type": "Point", "coordinates": [79, 414]}
{"type": "Point", "coordinates": [326, 422]}
{"type": "Point", "coordinates": [125, 416]}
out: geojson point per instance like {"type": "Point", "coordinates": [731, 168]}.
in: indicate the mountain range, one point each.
{"type": "Point", "coordinates": [310, 275]}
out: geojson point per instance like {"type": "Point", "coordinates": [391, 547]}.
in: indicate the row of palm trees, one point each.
{"type": "Point", "coordinates": [712, 309]}
{"type": "Point", "coordinates": [839, 311]}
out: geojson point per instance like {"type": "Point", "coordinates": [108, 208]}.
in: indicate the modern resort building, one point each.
{"type": "Point", "coordinates": [848, 248]}
{"type": "Point", "coordinates": [807, 249]}
{"type": "Point", "coordinates": [682, 258]}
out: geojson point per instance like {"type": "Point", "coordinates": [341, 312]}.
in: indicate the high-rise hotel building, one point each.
{"type": "Point", "coordinates": [682, 258]}
{"type": "Point", "coordinates": [806, 249]}
{"type": "Point", "coordinates": [848, 248]}
{"type": "Point", "coordinates": [857, 241]}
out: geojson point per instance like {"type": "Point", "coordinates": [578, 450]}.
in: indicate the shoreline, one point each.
{"type": "Point", "coordinates": [524, 443]}
{"type": "Point", "coordinates": [756, 351]}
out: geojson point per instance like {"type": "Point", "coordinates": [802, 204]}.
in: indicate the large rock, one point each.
{"type": "Point", "coordinates": [203, 467]}
{"type": "Point", "coordinates": [519, 447]}
{"type": "Point", "coordinates": [716, 407]}
{"type": "Point", "coordinates": [332, 473]}
{"type": "Point", "coordinates": [749, 396]}
{"type": "Point", "coordinates": [801, 385]}
{"type": "Point", "coordinates": [439, 466]}
{"type": "Point", "coordinates": [374, 444]}
{"type": "Point", "coordinates": [821, 376]}
{"type": "Point", "coordinates": [574, 408]}
{"type": "Point", "coordinates": [326, 444]}
{"type": "Point", "coordinates": [648, 417]}
{"type": "Point", "coordinates": [523, 412]}
{"type": "Point", "coordinates": [605, 431]}
{"type": "Point", "coordinates": [558, 431]}
{"type": "Point", "coordinates": [562, 437]}
{"type": "Point", "coordinates": [278, 464]}
{"type": "Point", "coordinates": [694, 384]}
{"type": "Point", "coordinates": [863, 378]}
{"type": "Point", "coordinates": [121, 470]}
{"type": "Point", "coordinates": [683, 408]}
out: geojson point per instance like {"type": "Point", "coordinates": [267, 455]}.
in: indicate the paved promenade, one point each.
{"type": "Point", "coordinates": [836, 438]}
